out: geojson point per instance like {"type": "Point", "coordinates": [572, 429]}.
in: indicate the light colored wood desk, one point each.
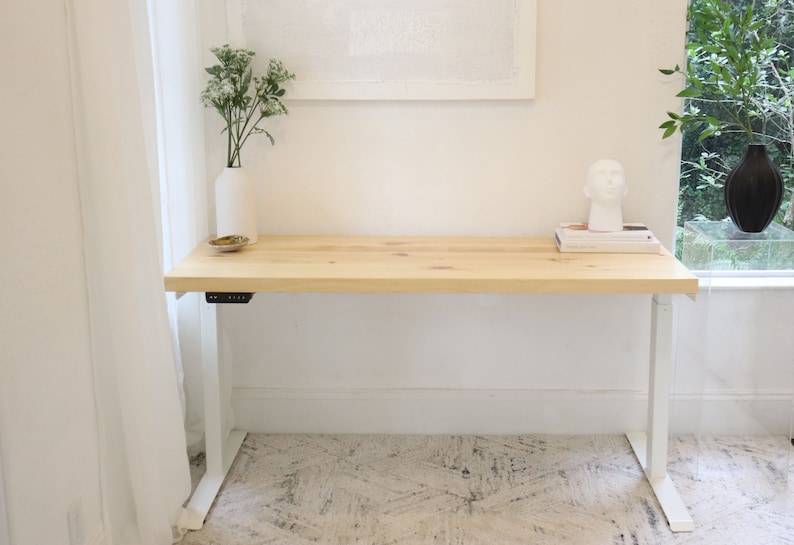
{"type": "Point", "coordinates": [381, 264]}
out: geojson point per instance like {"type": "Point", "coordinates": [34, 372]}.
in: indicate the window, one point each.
{"type": "Point", "coordinates": [739, 89]}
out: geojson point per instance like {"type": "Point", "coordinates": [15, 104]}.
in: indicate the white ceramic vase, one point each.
{"type": "Point", "coordinates": [235, 204]}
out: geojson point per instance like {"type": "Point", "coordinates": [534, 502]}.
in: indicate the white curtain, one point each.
{"type": "Point", "coordinates": [5, 538]}
{"type": "Point", "coordinates": [179, 60]}
{"type": "Point", "coordinates": [183, 192]}
{"type": "Point", "coordinates": [143, 462]}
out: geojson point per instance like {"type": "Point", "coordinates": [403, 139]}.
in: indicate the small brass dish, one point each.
{"type": "Point", "coordinates": [230, 243]}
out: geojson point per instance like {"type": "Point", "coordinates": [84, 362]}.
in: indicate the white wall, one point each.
{"type": "Point", "coordinates": [47, 417]}
{"type": "Point", "coordinates": [509, 168]}
{"type": "Point", "coordinates": [488, 363]}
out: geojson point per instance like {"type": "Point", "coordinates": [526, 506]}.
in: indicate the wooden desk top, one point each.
{"type": "Point", "coordinates": [382, 264]}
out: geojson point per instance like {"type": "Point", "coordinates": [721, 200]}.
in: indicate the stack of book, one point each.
{"type": "Point", "coordinates": [634, 238]}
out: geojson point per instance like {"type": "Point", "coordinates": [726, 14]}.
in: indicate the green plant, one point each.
{"type": "Point", "coordinates": [732, 78]}
{"type": "Point", "coordinates": [228, 92]}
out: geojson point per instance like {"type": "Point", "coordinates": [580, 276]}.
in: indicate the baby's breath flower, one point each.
{"type": "Point", "coordinates": [228, 92]}
{"type": "Point", "coordinates": [273, 106]}
{"type": "Point", "coordinates": [218, 91]}
{"type": "Point", "coordinates": [234, 57]}
{"type": "Point", "coordinates": [276, 71]}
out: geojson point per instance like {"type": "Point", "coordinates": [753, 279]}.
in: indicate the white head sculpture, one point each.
{"type": "Point", "coordinates": [606, 187]}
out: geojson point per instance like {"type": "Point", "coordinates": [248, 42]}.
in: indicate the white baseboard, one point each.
{"type": "Point", "coordinates": [479, 411]}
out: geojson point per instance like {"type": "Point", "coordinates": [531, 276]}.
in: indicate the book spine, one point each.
{"type": "Point", "coordinates": [632, 236]}
{"type": "Point", "coordinates": [614, 248]}
{"type": "Point", "coordinates": [650, 246]}
{"type": "Point", "coordinates": [632, 232]}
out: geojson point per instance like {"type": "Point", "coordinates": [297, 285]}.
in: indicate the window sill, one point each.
{"type": "Point", "coordinates": [746, 280]}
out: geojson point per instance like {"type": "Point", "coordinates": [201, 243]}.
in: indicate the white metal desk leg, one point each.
{"type": "Point", "coordinates": [651, 449]}
{"type": "Point", "coordinates": [661, 370]}
{"type": "Point", "coordinates": [220, 450]}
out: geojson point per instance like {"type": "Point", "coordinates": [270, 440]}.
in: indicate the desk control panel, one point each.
{"type": "Point", "coordinates": [222, 297]}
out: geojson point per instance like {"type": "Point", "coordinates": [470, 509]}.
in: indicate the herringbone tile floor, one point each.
{"type": "Point", "coordinates": [385, 489]}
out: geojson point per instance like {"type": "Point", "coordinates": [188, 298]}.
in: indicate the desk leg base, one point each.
{"type": "Point", "coordinates": [202, 499]}
{"type": "Point", "coordinates": [674, 509]}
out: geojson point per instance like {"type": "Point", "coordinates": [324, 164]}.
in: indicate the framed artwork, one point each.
{"type": "Point", "coordinates": [394, 49]}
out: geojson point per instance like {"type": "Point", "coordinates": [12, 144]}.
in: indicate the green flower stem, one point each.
{"type": "Point", "coordinates": [228, 118]}
{"type": "Point", "coordinates": [243, 133]}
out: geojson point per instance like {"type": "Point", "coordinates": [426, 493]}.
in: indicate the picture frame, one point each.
{"type": "Point", "coordinates": [394, 49]}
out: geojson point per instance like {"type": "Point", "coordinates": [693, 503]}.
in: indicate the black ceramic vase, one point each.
{"type": "Point", "coordinates": [753, 190]}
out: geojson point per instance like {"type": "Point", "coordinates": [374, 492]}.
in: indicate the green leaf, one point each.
{"type": "Point", "coordinates": [246, 83]}
{"type": "Point", "coordinates": [706, 133]}
{"type": "Point", "coordinates": [698, 85]}
{"type": "Point", "coordinates": [689, 93]}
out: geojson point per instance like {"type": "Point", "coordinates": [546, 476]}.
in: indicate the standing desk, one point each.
{"type": "Point", "coordinates": [383, 264]}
